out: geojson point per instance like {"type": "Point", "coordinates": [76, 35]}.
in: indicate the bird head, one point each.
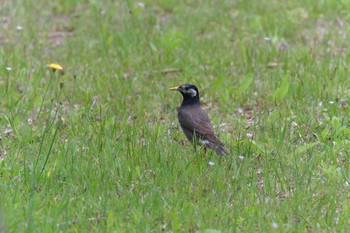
{"type": "Point", "coordinates": [189, 92]}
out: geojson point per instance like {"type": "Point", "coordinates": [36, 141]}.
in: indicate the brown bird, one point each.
{"type": "Point", "coordinates": [194, 122]}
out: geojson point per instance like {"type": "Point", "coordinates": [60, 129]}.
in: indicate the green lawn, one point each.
{"type": "Point", "coordinates": [99, 148]}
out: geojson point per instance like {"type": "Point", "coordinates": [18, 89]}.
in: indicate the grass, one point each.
{"type": "Point", "coordinates": [99, 149]}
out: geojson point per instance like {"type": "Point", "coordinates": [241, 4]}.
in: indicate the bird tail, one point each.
{"type": "Point", "coordinates": [218, 147]}
{"type": "Point", "coordinates": [220, 150]}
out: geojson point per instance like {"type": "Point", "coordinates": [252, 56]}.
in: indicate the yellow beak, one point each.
{"type": "Point", "coordinates": [174, 88]}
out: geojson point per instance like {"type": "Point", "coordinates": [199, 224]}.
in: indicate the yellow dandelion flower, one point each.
{"type": "Point", "coordinates": [54, 66]}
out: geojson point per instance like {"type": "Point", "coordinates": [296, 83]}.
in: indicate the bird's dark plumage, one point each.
{"type": "Point", "coordinates": [194, 121]}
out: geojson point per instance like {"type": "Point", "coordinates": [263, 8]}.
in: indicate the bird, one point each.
{"type": "Point", "coordinates": [194, 122]}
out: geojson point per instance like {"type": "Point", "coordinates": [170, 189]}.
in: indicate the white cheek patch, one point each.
{"type": "Point", "coordinates": [192, 92]}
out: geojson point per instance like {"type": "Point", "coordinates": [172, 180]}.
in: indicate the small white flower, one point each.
{"type": "Point", "coordinates": [267, 38]}
{"type": "Point", "coordinates": [141, 4]}
{"type": "Point", "coordinates": [7, 131]}
{"type": "Point", "coordinates": [8, 68]}
{"type": "Point", "coordinates": [30, 121]}
{"type": "Point", "coordinates": [19, 27]}
{"type": "Point", "coordinates": [211, 163]}
{"type": "Point", "coordinates": [223, 125]}
{"type": "Point", "coordinates": [241, 157]}
{"type": "Point", "coordinates": [275, 225]}
{"type": "Point", "coordinates": [294, 123]}
{"type": "Point", "coordinates": [331, 102]}
{"type": "Point", "coordinates": [250, 135]}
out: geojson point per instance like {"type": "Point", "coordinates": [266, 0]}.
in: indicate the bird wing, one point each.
{"type": "Point", "coordinates": [195, 119]}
